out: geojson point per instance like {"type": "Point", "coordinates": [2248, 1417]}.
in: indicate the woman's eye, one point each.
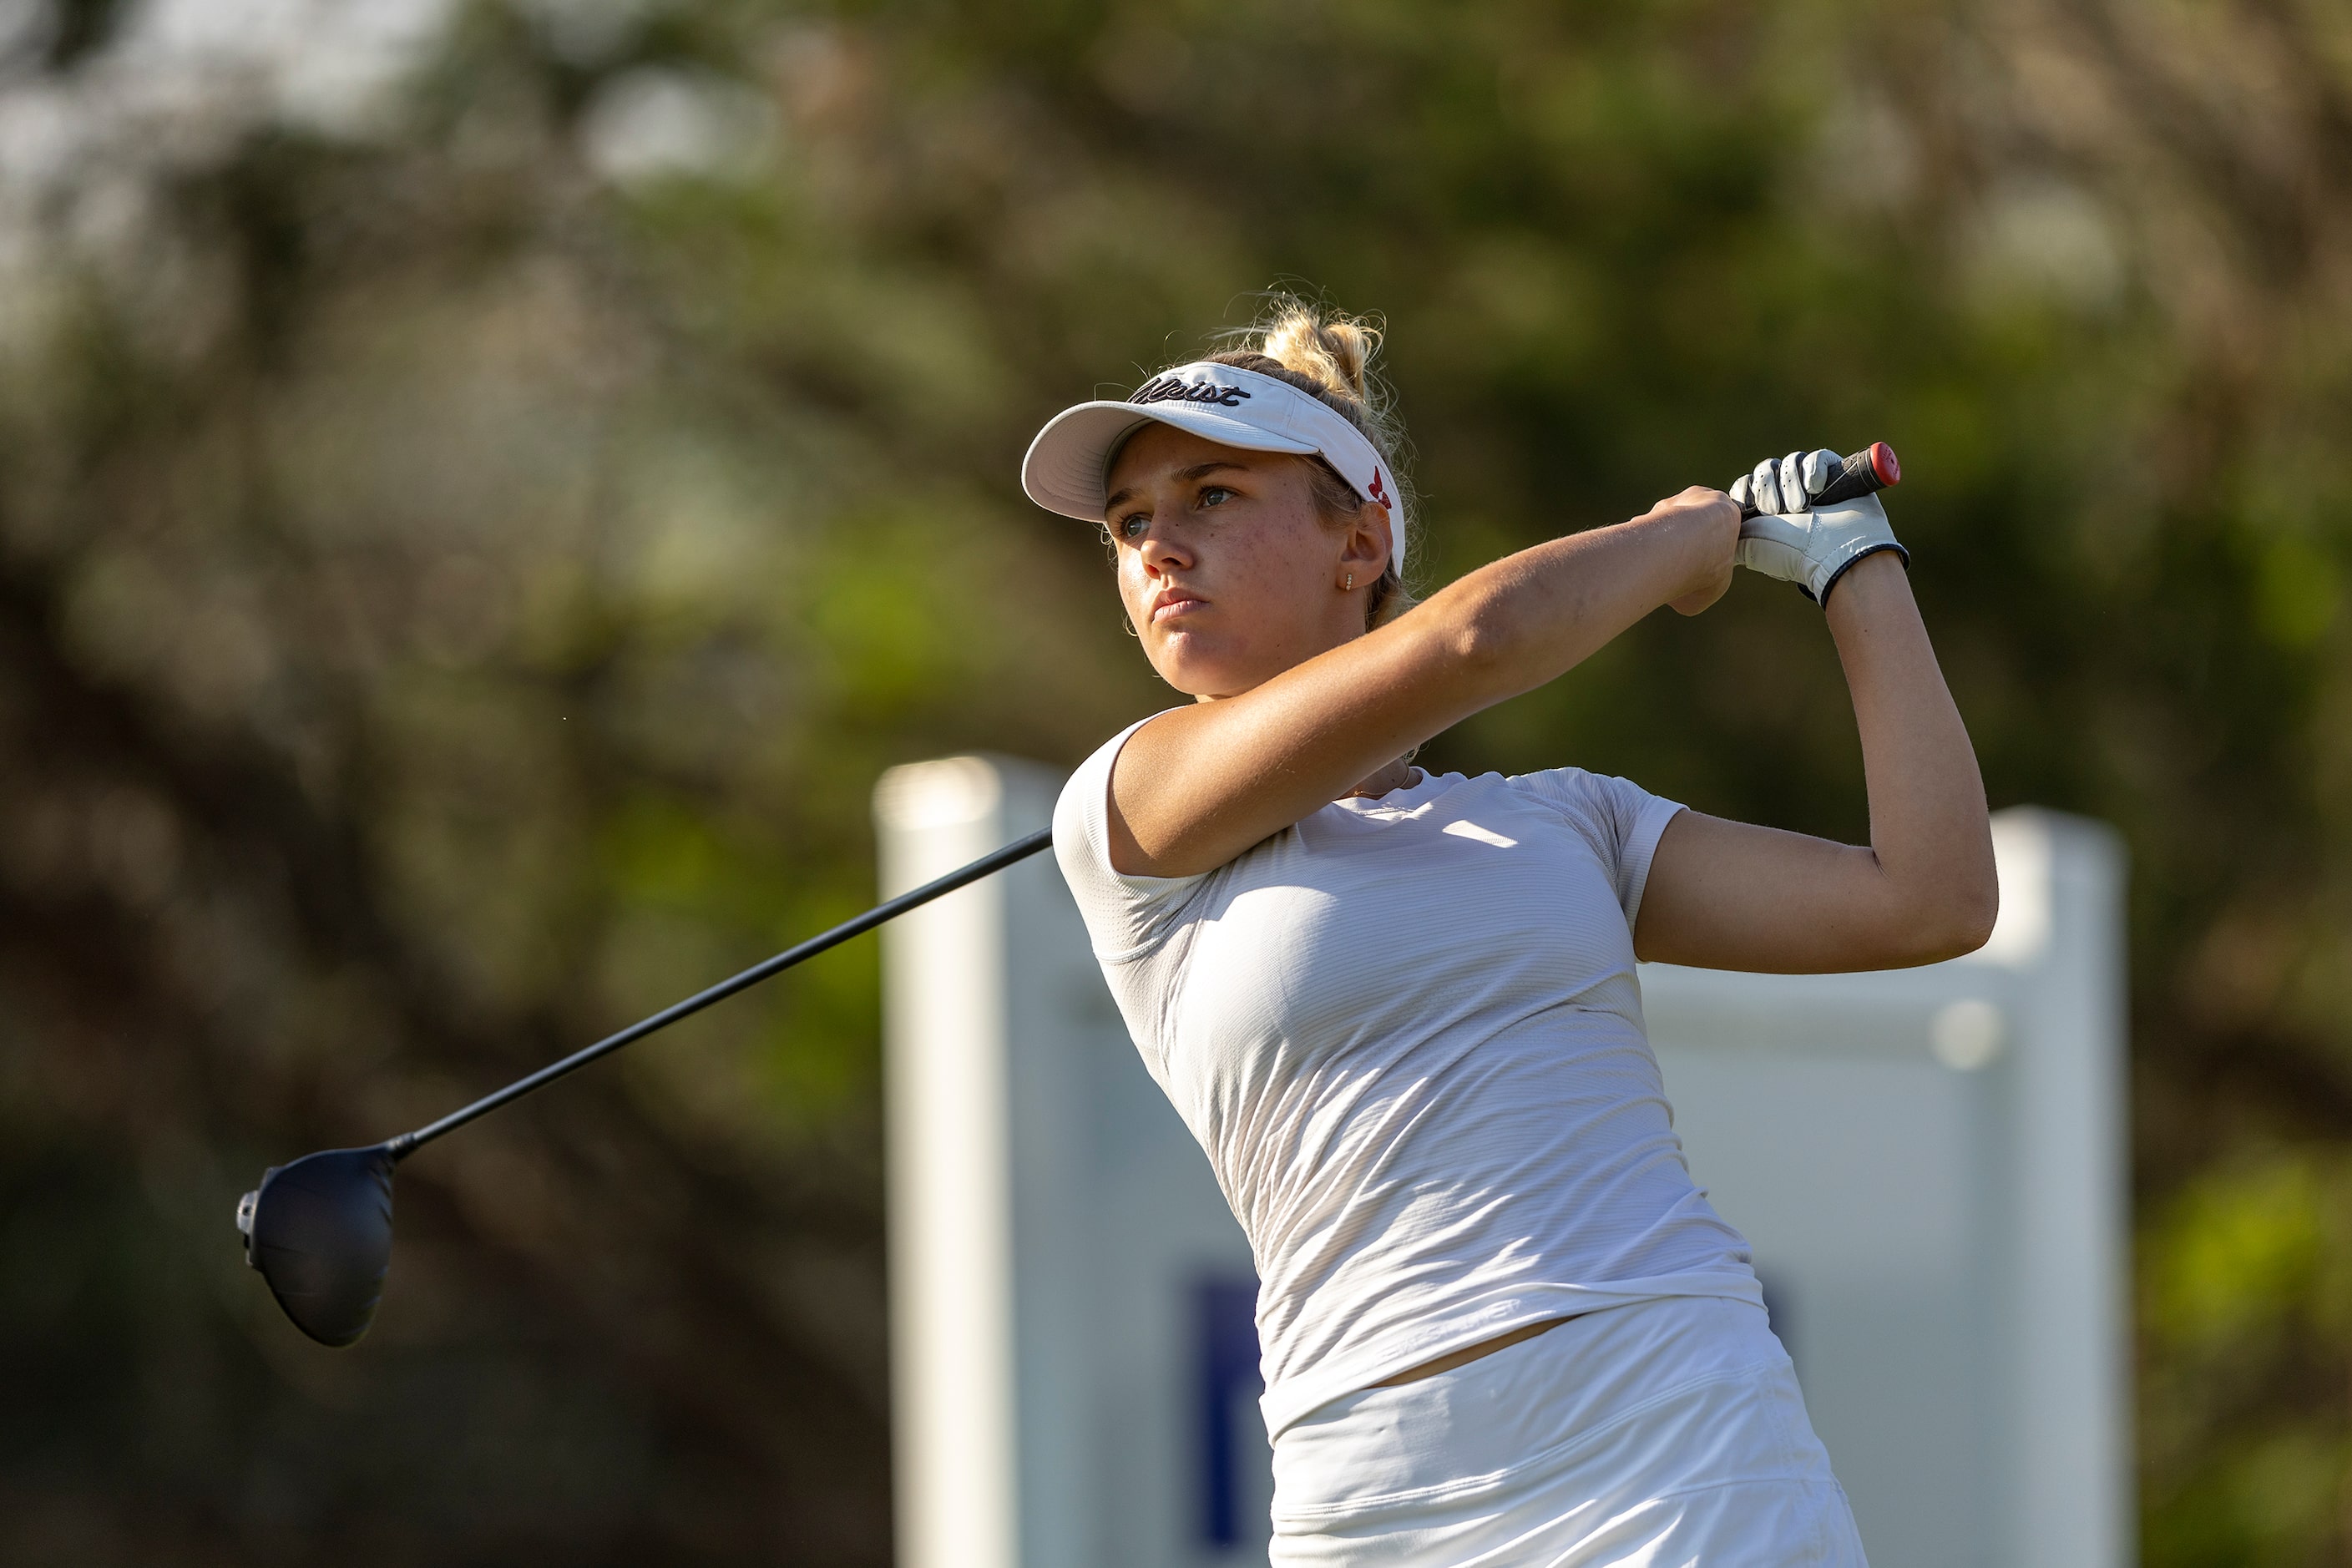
{"type": "Point", "coordinates": [1132, 525]}
{"type": "Point", "coordinates": [1215, 495]}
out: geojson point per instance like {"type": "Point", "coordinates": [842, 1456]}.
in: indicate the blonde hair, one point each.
{"type": "Point", "coordinates": [1328, 356]}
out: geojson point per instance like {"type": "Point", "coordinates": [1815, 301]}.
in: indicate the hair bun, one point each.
{"type": "Point", "coordinates": [1336, 350]}
{"type": "Point", "coordinates": [1328, 356]}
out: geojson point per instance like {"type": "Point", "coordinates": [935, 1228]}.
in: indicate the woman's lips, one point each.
{"type": "Point", "coordinates": [1172, 605]}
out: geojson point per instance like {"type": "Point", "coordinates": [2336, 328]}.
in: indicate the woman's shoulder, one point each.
{"type": "Point", "coordinates": [1609, 808]}
{"type": "Point", "coordinates": [1127, 915]}
{"type": "Point", "coordinates": [1099, 761]}
{"type": "Point", "coordinates": [1082, 811]}
{"type": "Point", "coordinates": [1567, 784]}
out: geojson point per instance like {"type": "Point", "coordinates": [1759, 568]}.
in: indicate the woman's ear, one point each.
{"type": "Point", "coordinates": [1368, 550]}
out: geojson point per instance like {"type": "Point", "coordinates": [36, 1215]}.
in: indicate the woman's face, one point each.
{"type": "Point", "coordinates": [1228, 571]}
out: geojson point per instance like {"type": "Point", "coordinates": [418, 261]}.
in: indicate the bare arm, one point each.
{"type": "Point", "coordinates": [1725, 895]}
{"type": "Point", "coordinates": [1195, 787]}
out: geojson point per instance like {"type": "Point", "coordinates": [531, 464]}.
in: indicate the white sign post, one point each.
{"type": "Point", "coordinates": [1073, 1360]}
{"type": "Point", "coordinates": [1929, 1164]}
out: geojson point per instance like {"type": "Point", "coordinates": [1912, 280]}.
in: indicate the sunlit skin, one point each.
{"type": "Point", "coordinates": [1230, 573]}
{"type": "Point", "coordinates": [1252, 603]}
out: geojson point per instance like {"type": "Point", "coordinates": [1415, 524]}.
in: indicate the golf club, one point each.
{"type": "Point", "coordinates": [320, 1230]}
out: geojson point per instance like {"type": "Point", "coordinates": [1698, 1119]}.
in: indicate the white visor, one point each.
{"type": "Point", "coordinates": [1068, 465]}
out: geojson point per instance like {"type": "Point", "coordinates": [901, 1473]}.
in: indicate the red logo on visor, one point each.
{"type": "Point", "coordinates": [1375, 491]}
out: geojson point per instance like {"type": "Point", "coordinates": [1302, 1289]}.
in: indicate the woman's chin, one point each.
{"type": "Point", "coordinates": [1193, 685]}
{"type": "Point", "coordinates": [1195, 674]}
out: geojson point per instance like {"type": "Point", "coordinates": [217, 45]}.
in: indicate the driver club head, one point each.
{"type": "Point", "coordinates": [320, 1230]}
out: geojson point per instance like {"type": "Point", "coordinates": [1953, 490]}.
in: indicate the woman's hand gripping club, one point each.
{"type": "Point", "coordinates": [1808, 517]}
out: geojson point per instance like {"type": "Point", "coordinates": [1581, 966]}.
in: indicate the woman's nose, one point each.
{"type": "Point", "coordinates": [1163, 546]}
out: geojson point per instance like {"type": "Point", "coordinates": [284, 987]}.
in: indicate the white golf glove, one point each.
{"type": "Point", "coordinates": [1790, 540]}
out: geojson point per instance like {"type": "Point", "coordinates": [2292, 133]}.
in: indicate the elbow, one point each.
{"type": "Point", "coordinates": [1958, 922]}
{"type": "Point", "coordinates": [1480, 639]}
{"type": "Point", "coordinates": [1978, 903]}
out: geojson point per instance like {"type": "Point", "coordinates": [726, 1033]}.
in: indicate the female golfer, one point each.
{"type": "Point", "coordinates": [1499, 1323]}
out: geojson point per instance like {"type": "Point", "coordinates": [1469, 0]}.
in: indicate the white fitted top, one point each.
{"type": "Point", "coordinates": [1408, 1033]}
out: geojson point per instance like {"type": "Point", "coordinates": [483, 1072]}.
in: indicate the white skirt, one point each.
{"type": "Point", "coordinates": [1668, 1435]}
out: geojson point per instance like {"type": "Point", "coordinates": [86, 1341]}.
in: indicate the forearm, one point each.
{"type": "Point", "coordinates": [1494, 633]}
{"type": "Point", "coordinates": [1531, 616]}
{"type": "Point", "coordinates": [1929, 829]}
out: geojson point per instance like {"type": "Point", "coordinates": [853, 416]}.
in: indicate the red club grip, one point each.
{"type": "Point", "coordinates": [1873, 468]}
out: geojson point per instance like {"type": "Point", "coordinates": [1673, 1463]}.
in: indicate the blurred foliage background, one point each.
{"type": "Point", "coordinates": [485, 486]}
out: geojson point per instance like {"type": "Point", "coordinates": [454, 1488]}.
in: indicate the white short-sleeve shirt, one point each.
{"type": "Point", "coordinates": [1408, 1033]}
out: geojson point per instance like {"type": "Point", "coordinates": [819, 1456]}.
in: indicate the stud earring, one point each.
{"type": "Point", "coordinates": [1349, 583]}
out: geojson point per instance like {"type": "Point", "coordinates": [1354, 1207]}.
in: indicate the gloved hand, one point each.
{"type": "Point", "coordinates": [1790, 540]}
